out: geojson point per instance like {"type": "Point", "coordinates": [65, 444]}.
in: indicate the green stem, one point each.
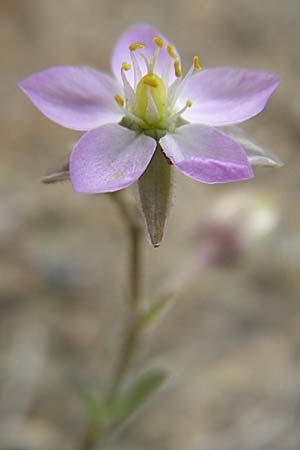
{"type": "Point", "coordinates": [96, 434]}
{"type": "Point", "coordinates": [132, 331]}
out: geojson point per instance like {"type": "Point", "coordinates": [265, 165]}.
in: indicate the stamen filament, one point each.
{"type": "Point", "coordinates": [176, 88]}
{"type": "Point", "coordinates": [153, 60]}
{"type": "Point", "coordinates": [142, 55]}
{"type": "Point", "coordinates": [173, 118]}
{"type": "Point", "coordinates": [136, 68]}
{"type": "Point", "coordinates": [159, 42]}
{"type": "Point", "coordinates": [166, 71]}
{"type": "Point", "coordinates": [188, 104]}
{"type": "Point", "coordinates": [129, 91]}
{"type": "Point", "coordinates": [172, 92]}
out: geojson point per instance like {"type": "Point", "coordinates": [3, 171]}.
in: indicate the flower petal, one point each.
{"type": "Point", "coordinates": [206, 154]}
{"type": "Point", "coordinates": [257, 155]}
{"type": "Point", "coordinates": [143, 33]}
{"type": "Point", "coordinates": [75, 97]}
{"type": "Point", "coordinates": [109, 158]}
{"type": "Point", "coordinates": [226, 95]}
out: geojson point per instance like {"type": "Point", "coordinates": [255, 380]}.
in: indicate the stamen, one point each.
{"type": "Point", "coordinates": [142, 55]}
{"type": "Point", "coordinates": [177, 68]}
{"type": "Point", "coordinates": [197, 65]}
{"type": "Point", "coordinates": [136, 69]}
{"type": "Point", "coordinates": [171, 51]}
{"type": "Point", "coordinates": [129, 91]}
{"type": "Point", "coordinates": [158, 41]}
{"type": "Point", "coordinates": [175, 116]}
{"type": "Point", "coordinates": [126, 66]}
{"type": "Point", "coordinates": [149, 81]}
{"type": "Point", "coordinates": [135, 46]}
{"type": "Point", "coordinates": [166, 71]}
{"type": "Point", "coordinates": [177, 86]}
{"type": "Point", "coordinates": [119, 100]}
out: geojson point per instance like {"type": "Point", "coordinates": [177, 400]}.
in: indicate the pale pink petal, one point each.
{"type": "Point", "coordinates": [80, 98]}
{"type": "Point", "coordinates": [140, 33]}
{"type": "Point", "coordinates": [226, 95]}
{"type": "Point", "coordinates": [206, 154]}
{"type": "Point", "coordinates": [109, 158]}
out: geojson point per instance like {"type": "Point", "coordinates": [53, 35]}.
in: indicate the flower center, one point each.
{"type": "Point", "coordinates": [151, 94]}
{"type": "Point", "coordinates": [151, 103]}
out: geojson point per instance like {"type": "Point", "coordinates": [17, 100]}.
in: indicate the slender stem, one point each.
{"type": "Point", "coordinates": [134, 232]}
{"type": "Point", "coordinates": [135, 268]}
{"type": "Point", "coordinates": [90, 437]}
{"type": "Point", "coordinates": [131, 336]}
{"type": "Point", "coordinates": [96, 434]}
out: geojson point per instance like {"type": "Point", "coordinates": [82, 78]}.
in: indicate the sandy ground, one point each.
{"type": "Point", "coordinates": [231, 342]}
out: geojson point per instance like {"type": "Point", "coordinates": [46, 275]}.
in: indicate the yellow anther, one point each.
{"type": "Point", "coordinates": [197, 64]}
{"type": "Point", "coordinates": [119, 100]}
{"type": "Point", "coordinates": [126, 66]}
{"type": "Point", "coordinates": [158, 41]}
{"type": "Point", "coordinates": [150, 81]}
{"type": "Point", "coordinates": [171, 51]}
{"type": "Point", "coordinates": [177, 68]}
{"type": "Point", "coordinates": [189, 103]}
{"type": "Point", "coordinates": [135, 46]}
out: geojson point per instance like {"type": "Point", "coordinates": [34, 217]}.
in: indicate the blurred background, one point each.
{"type": "Point", "coordinates": [232, 339]}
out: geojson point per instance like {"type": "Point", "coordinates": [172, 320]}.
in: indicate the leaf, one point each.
{"type": "Point", "coordinates": [145, 386]}
{"type": "Point", "coordinates": [154, 192]}
{"type": "Point", "coordinates": [96, 407]}
{"type": "Point", "coordinates": [155, 310]}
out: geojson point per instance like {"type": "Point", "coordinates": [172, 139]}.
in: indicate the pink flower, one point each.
{"type": "Point", "coordinates": [150, 101]}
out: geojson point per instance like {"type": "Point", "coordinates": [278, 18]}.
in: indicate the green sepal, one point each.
{"type": "Point", "coordinates": [154, 192]}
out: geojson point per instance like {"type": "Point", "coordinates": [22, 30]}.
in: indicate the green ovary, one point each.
{"type": "Point", "coordinates": [153, 85]}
